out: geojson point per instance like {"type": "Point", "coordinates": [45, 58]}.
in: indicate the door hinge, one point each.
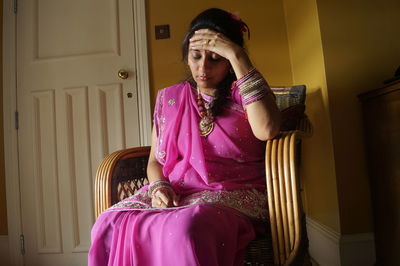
{"type": "Point", "coordinates": [15, 6]}
{"type": "Point", "coordinates": [22, 243]}
{"type": "Point", "coordinates": [16, 120]}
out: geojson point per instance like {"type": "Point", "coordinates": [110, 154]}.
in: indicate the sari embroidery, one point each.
{"type": "Point", "coordinates": [252, 202]}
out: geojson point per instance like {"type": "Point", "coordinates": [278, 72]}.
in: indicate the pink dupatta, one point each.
{"type": "Point", "coordinates": [229, 158]}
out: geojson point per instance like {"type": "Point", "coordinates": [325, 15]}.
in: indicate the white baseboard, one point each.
{"type": "Point", "coordinates": [323, 244]}
{"type": "Point", "coordinates": [4, 257]}
{"type": "Point", "coordinates": [358, 249]}
{"type": "Point", "coordinates": [328, 248]}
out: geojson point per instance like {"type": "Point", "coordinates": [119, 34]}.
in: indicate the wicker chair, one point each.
{"type": "Point", "coordinates": [123, 172]}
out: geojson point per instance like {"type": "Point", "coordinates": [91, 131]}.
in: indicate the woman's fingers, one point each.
{"type": "Point", "coordinates": [202, 44]}
{"type": "Point", "coordinates": [164, 197]}
{"type": "Point", "coordinates": [155, 203]}
{"type": "Point", "coordinates": [212, 41]}
{"type": "Point", "coordinates": [209, 45]}
{"type": "Point", "coordinates": [206, 33]}
{"type": "Point", "coordinates": [158, 203]}
{"type": "Point", "coordinates": [175, 199]}
{"type": "Point", "coordinates": [197, 37]}
{"type": "Point", "coordinates": [206, 39]}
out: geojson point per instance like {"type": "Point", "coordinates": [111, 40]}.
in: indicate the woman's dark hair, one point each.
{"type": "Point", "coordinates": [223, 22]}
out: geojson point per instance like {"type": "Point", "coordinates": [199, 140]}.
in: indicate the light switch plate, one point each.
{"type": "Point", "coordinates": [162, 31]}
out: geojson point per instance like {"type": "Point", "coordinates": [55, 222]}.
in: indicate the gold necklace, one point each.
{"type": "Point", "coordinates": [206, 124]}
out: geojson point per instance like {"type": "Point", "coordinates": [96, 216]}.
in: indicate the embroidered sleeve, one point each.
{"type": "Point", "coordinates": [157, 108]}
{"type": "Point", "coordinates": [159, 124]}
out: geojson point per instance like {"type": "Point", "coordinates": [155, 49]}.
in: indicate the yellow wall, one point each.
{"type": "Point", "coordinates": [3, 210]}
{"type": "Point", "coordinates": [361, 41]}
{"type": "Point", "coordinates": [340, 49]}
{"type": "Point", "coordinates": [318, 163]}
{"type": "Point", "coordinates": [268, 46]}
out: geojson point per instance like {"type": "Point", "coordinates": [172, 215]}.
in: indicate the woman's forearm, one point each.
{"type": "Point", "coordinates": [154, 171]}
{"type": "Point", "coordinates": [263, 115]}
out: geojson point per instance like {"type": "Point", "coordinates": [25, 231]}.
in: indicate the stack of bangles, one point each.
{"type": "Point", "coordinates": [156, 185]}
{"type": "Point", "coordinates": [252, 87]}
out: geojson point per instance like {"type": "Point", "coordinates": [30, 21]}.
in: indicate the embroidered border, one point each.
{"type": "Point", "coordinates": [252, 203]}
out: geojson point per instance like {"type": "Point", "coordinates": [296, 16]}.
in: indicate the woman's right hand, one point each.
{"type": "Point", "coordinates": [164, 197]}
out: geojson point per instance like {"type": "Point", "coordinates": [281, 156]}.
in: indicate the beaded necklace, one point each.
{"type": "Point", "coordinates": [206, 124]}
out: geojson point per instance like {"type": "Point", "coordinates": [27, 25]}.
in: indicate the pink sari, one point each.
{"type": "Point", "coordinates": [220, 179]}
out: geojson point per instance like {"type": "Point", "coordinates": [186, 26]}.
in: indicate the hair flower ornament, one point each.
{"type": "Point", "coordinates": [243, 26]}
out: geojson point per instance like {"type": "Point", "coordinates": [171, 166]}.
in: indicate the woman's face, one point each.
{"type": "Point", "coordinates": [208, 68]}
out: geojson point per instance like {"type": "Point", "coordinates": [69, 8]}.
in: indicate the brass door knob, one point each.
{"type": "Point", "coordinates": [123, 74]}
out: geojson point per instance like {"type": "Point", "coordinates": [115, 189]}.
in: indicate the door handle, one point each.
{"type": "Point", "coordinates": [123, 74]}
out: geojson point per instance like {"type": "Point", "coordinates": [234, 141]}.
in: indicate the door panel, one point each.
{"type": "Point", "coordinates": [78, 150]}
{"type": "Point", "coordinates": [111, 99]}
{"type": "Point", "coordinates": [89, 27]}
{"type": "Point", "coordinates": [73, 109]}
{"type": "Point", "coordinates": [47, 206]}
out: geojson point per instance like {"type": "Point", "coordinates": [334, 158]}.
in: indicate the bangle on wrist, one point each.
{"type": "Point", "coordinates": [252, 87]}
{"type": "Point", "coordinates": [156, 185]}
{"type": "Point", "coordinates": [244, 78]}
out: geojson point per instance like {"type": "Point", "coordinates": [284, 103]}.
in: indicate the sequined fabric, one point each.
{"type": "Point", "coordinates": [251, 203]}
{"type": "Point", "coordinates": [229, 158]}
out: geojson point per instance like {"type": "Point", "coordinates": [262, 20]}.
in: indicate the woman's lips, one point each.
{"type": "Point", "coordinates": [203, 78]}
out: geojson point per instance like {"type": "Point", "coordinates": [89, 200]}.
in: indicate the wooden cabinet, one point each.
{"type": "Point", "coordinates": [381, 111]}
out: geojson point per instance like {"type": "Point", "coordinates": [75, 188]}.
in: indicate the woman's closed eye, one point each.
{"type": "Point", "coordinates": [196, 55]}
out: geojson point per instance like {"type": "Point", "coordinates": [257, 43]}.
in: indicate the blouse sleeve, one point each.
{"type": "Point", "coordinates": [158, 120]}
{"type": "Point", "coordinates": [236, 96]}
{"type": "Point", "coordinates": [157, 116]}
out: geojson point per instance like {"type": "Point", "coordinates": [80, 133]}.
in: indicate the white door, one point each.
{"type": "Point", "coordinates": [73, 110]}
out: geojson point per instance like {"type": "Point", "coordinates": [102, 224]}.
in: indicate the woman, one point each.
{"type": "Point", "coordinates": [206, 167]}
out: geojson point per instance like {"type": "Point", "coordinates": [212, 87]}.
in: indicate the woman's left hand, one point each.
{"type": "Point", "coordinates": [206, 39]}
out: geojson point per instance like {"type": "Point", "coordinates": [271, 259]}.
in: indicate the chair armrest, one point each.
{"type": "Point", "coordinates": [104, 175]}
{"type": "Point", "coordinates": [283, 192]}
